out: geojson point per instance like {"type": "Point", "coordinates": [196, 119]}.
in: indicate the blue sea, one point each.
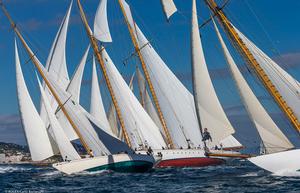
{"type": "Point", "coordinates": [236, 177]}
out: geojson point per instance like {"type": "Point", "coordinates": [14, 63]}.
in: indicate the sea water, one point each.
{"type": "Point", "coordinates": [236, 177]}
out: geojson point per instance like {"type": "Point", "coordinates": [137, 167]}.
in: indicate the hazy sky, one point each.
{"type": "Point", "coordinates": [273, 25]}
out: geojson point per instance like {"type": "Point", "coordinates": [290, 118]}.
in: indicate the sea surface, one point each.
{"type": "Point", "coordinates": [236, 177]}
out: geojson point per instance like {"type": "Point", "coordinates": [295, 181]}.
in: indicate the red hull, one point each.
{"type": "Point", "coordinates": [190, 162]}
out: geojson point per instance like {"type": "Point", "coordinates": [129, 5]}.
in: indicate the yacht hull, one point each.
{"type": "Point", "coordinates": [188, 158]}
{"type": "Point", "coordinates": [283, 163]}
{"type": "Point", "coordinates": [117, 162]}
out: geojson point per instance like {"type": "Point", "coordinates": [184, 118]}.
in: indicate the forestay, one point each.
{"type": "Point", "coordinates": [34, 127]}
{"type": "Point", "coordinates": [210, 111]}
{"type": "Point", "coordinates": [272, 137]}
{"type": "Point", "coordinates": [288, 87]}
{"type": "Point", "coordinates": [101, 28]}
{"type": "Point", "coordinates": [138, 124]}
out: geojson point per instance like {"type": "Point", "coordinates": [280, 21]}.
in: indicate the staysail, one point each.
{"type": "Point", "coordinates": [272, 137]}
{"type": "Point", "coordinates": [66, 149]}
{"type": "Point", "coordinates": [101, 27]}
{"type": "Point", "coordinates": [288, 87]}
{"type": "Point", "coordinates": [56, 65]}
{"type": "Point", "coordinates": [96, 107]}
{"type": "Point", "coordinates": [75, 84]}
{"type": "Point", "coordinates": [139, 125]}
{"type": "Point", "coordinates": [209, 109]}
{"type": "Point", "coordinates": [34, 127]}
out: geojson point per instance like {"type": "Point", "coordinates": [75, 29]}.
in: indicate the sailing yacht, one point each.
{"type": "Point", "coordinates": [175, 109]}
{"type": "Point", "coordinates": [46, 138]}
{"type": "Point", "coordinates": [278, 155]}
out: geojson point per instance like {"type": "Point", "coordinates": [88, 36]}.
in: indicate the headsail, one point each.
{"type": "Point", "coordinates": [288, 87]}
{"type": "Point", "coordinates": [101, 27]}
{"type": "Point", "coordinates": [75, 84]}
{"type": "Point", "coordinates": [34, 127]}
{"type": "Point", "coordinates": [138, 123]}
{"type": "Point", "coordinates": [273, 139]}
{"type": "Point", "coordinates": [210, 111]}
{"type": "Point", "coordinates": [65, 147]}
{"type": "Point", "coordinates": [56, 65]}
{"type": "Point", "coordinates": [169, 8]}
{"type": "Point", "coordinates": [96, 107]}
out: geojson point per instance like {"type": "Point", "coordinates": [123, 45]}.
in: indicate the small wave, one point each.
{"type": "Point", "coordinates": [87, 173]}
{"type": "Point", "coordinates": [287, 173]}
{"type": "Point", "coordinates": [51, 173]}
{"type": "Point", "coordinates": [251, 174]}
{"type": "Point", "coordinates": [9, 169]}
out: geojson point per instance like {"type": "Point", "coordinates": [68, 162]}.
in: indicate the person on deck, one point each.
{"type": "Point", "coordinates": [206, 135]}
{"type": "Point", "coordinates": [91, 153]}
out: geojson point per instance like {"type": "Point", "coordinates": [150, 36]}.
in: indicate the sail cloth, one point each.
{"type": "Point", "coordinates": [96, 107]}
{"type": "Point", "coordinates": [56, 65]}
{"type": "Point", "coordinates": [34, 127]}
{"type": "Point", "coordinates": [66, 149]}
{"type": "Point", "coordinates": [272, 137]}
{"type": "Point", "coordinates": [169, 8]}
{"type": "Point", "coordinates": [75, 84]}
{"type": "Point", "coordinates": [101, 28]}
{"type": "Point", "coordinates": [211, 113]}
{"type": "Point", "coordinates": [137, 122]}
{"type": "Point", "coordinates": [288, 87]}
{"type": "Point", "coordinates": [112, 119]}
{"type": "Point", "coordinates": [176, 102]}
{"type": "Point", "coordinates": [146, 100]}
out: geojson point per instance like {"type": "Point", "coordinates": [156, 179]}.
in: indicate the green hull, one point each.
{"type": "Point", "coordinates": [126, 166]}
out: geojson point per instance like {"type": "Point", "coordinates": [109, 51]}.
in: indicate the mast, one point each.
{"type": "Point", "coordinates": [97, 53]}
{"type": "Point", "coordinates": [147, 76]}
{"type": "Point", "coordinates": [248, 56]}
{"type": "Point", "coordinates": [36, 64]}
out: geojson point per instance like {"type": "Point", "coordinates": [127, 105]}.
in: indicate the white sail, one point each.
{"type": "Point", "coordinates": [101, 27]}
{"type": "Point", "coordinates": [137, 122]}
{"type": "Point", "coordinates": [146, 100]}
{"type": "Point", "coordinates": [273, 139]}
{"type": "Point", "coordinates": [56, 65]}
{"type": "Point", "coordinates": [169, 8]}
{"type": "Point", "coordinates": [75, 84]}
{"type": "Point", "coordinates": [288, 87]}
{"type": "Point", "coordinates": [35, 130]}
{"type": "Point", "coordinates": [66, 149]}
{"type": "Point", "coordinates": [96, 107]}
{"type": "Point", "coordinates": [175, 100]}
{"type": "Point", "coordinates": [112, 119]}
{"type": "Point", "coordinates": [211, 113]}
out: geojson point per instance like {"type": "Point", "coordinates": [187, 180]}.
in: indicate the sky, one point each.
{"type": "Point", "coordinates": [272, 25]}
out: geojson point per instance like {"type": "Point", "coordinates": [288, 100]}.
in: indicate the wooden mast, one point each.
{"type": "Point", "coordinates": [36, 63]}
{"type": "Point", "coordinates": [97, 53]}
{"type": "Point", "coordinates": [147, 76]}
{"type": "Point", "coordinates": [248, 56]}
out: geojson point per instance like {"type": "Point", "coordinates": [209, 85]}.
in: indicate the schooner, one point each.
{"type": "Point", "coordinates": [48, 135]}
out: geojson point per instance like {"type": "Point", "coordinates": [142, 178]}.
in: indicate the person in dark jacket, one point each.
{"type": "Point", "coordinates": [206, 135]}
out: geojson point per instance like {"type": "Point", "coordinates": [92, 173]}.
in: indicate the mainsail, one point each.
{"type": "Point", "coordinates": [209, 109]}
{"type": "Point", "coordinates": [101, 28]}
{"type": "Point", "coordinates": [288, 87]}
{"type": "Point", "coordinates": [139, 125]}
{"type": "Point", "coordinates": [272, 137]}
{"type": "Point", "coordinates": [34, 127]}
